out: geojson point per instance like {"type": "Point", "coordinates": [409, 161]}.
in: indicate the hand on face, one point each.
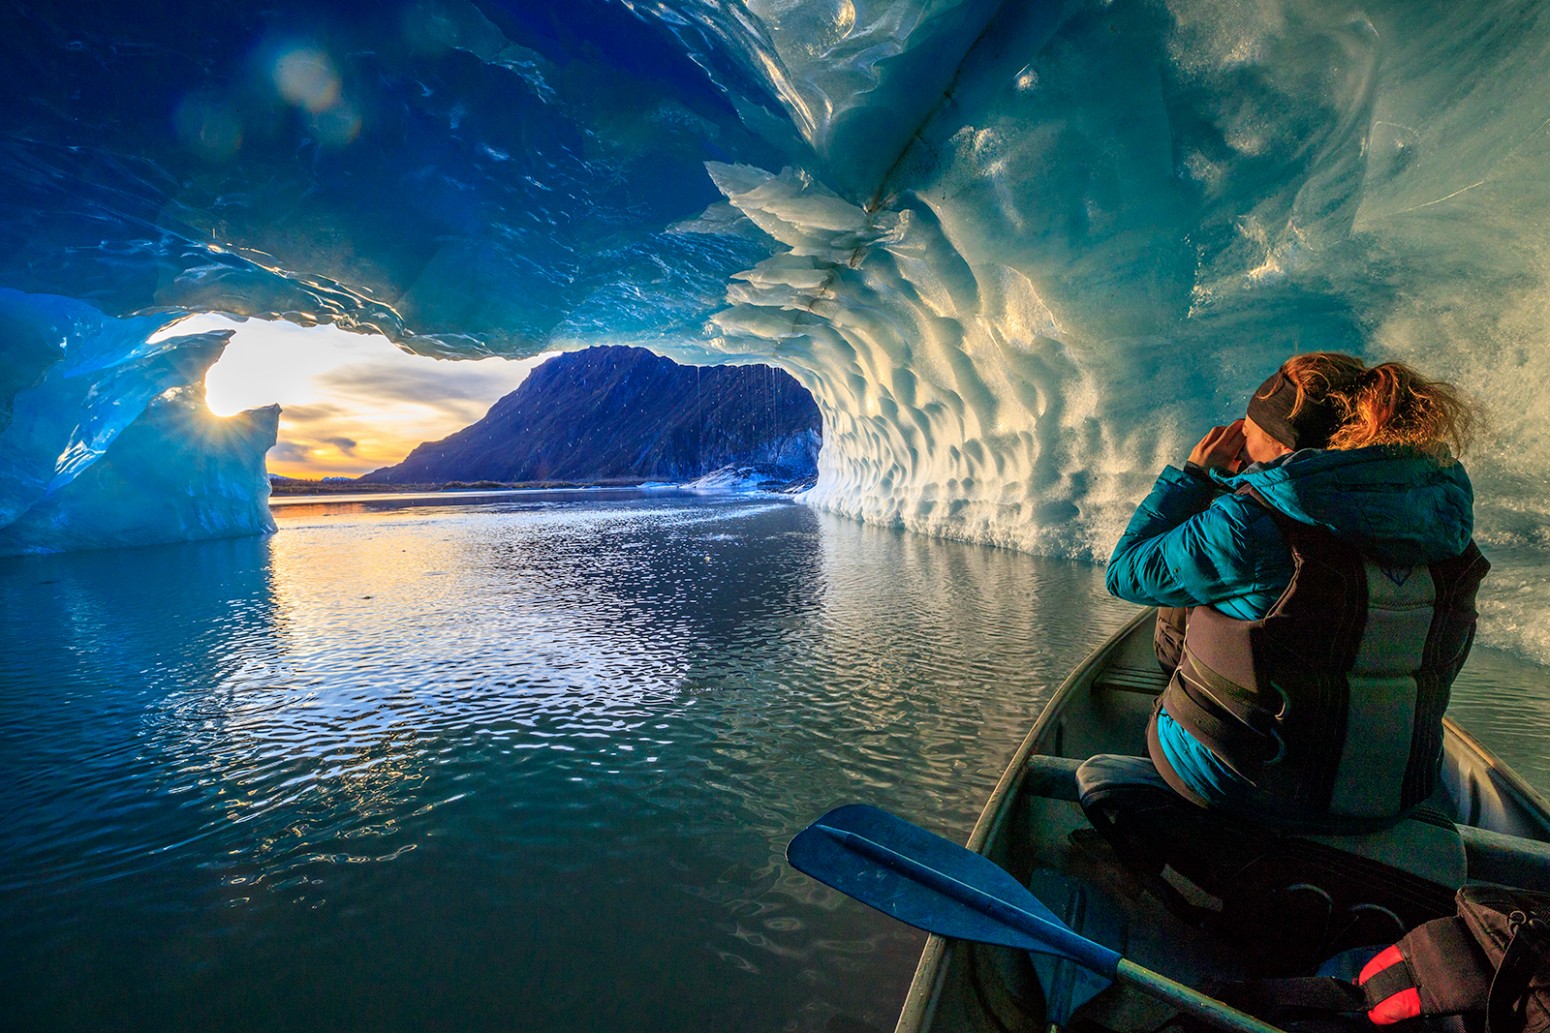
{"type": "Point", "coordinates": [1221, 449]}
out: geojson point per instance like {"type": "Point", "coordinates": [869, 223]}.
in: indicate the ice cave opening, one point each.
{"type": "Point", "coordinates": [350, 403]}
{"type": "Point", "coordinates": [1020, 254]}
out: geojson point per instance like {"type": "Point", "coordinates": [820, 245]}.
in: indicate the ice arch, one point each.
{"type": "Point", "coordinates": [1020, 252]}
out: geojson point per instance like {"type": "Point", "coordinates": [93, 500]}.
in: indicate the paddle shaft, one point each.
{"type": "Point", "coordinates": [1188, 999]}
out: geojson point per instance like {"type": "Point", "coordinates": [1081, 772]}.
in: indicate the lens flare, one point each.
{"type": "Point", "coordinates": [306, 77]}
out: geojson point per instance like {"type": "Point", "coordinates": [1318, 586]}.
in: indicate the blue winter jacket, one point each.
{"type": "Point", "coordinates": [1193, 542]}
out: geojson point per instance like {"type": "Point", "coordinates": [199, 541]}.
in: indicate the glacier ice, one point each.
{"type": "Point", "coordinates": [106, 439]}
{"type": "Point", "coordinates": [1021, 253]}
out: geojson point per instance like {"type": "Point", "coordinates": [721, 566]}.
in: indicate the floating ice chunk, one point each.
{"type": "Point", "coordinates": [79, 382]}
{"type": "Point", "coordinates": [744, 480]}
{"type": "Point", "coordinates": [178, 473]}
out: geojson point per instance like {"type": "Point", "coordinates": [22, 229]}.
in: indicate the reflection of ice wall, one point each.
{"type": "Point", "coordinates": [1021, 253]}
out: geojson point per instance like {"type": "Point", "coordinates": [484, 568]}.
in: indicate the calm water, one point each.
{"type": "Point", "coordinates": [523, 764]}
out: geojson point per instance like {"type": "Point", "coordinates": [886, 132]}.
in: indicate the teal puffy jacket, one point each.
{"type": "Point", "coordinates": [1193, 542]}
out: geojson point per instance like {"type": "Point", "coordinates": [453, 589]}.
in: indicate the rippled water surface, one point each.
{"type": "Point", "coordinates": [519, 763]}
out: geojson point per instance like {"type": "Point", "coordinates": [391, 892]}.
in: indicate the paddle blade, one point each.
{"type": "Point", "coordinates": [1067, 985]}
{"type": "Point", "coordinates": [934, 884]}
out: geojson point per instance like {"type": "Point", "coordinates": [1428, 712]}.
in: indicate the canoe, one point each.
{"type": "Point", "coordinates": [1034, 827]}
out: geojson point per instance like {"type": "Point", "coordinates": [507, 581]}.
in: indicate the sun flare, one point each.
{"type": "Point", "coordinates": [351, 403]}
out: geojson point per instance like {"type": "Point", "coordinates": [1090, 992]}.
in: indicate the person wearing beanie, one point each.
{"type": "Point", "coordinates": [1316, 579]}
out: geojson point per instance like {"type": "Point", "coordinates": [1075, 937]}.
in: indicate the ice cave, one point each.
{"type": "Point", "coordinates": [1021, 253]}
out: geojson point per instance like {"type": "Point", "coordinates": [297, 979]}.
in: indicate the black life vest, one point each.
{"type": "Point", "coordinates": [1332, 703]}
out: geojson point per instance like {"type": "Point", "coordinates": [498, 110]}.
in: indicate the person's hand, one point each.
{"type": "Point", "coordinates": [1221, 449]}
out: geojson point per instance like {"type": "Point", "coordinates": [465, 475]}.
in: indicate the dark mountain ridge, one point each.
{"type": "Point", "coordinates": [625, 413]}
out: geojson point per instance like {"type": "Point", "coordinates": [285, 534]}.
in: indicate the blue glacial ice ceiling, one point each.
{"type": "Point", "coordinates": [1020, 252]}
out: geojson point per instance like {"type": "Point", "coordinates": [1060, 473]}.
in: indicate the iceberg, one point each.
{"type": "Point", "coordinates": [105, 439]}
{"type": "Point", "coordinates": [1020, 253]}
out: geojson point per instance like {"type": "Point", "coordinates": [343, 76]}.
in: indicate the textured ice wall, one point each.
{"type": "Point", "coordinates": [1114, 220]}
{"type": "Point", "coordinates": [1022, 253]}
{"type": "Point", "coordinates": [957, 411]}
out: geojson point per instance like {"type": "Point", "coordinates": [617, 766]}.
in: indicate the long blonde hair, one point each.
{"type": "Point", "coordinates": [1387, 404]}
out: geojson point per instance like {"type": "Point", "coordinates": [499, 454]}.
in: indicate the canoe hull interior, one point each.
{"type": "Point", "coordinates": [1033, 827]}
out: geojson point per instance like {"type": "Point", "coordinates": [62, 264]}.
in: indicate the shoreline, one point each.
{"type": "Point", "coordinates": [297, 488]}
{"type": "Point", "coordinates": [413, 494]}
{"type": "Point", "coordinates": [289, 492]}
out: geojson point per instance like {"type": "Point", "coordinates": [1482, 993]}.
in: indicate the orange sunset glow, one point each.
{"type": "Point", "coordinates": [352, 403]}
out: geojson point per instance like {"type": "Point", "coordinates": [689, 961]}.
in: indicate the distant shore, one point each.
{"type": "Point", "coordinates": [290, 486]}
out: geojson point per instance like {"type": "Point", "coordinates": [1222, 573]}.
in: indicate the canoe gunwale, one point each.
{"type": "Point", "coordinates": [920, 1002]}
{"type": "Point", "coordinates": [937, 958]}
{"type": "Point", "coordinates": [1500, 771]}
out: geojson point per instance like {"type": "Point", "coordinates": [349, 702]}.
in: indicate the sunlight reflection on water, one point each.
{"type": "Point", "coordinates": [529, 762]}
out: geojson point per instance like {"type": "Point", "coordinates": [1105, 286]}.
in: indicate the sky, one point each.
{"type": "Point", "coordinates": [351, 403]}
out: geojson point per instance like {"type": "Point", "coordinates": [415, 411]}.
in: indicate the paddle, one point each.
{"type": "Point", "coordinates": [934, 884]}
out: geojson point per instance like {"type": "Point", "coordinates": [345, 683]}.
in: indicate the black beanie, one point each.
{"type": "Point", "coordinates": [1271, 408]}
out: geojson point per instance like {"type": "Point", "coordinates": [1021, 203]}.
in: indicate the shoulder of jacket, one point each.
{"type": "Point", "coordinates": [1241, 504]}
{"type": "Point", "coordinates": [1251, 517]}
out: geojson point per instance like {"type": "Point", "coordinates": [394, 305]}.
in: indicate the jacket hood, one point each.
{"type": "Point", "coordinates": [1398, 506]}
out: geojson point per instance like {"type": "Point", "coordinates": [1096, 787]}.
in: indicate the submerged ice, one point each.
{"type": "Point", "coordinates": [1021, 253]}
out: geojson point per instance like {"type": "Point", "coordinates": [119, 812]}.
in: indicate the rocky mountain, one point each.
{"type": "Point", "coordinates": [625, 413]}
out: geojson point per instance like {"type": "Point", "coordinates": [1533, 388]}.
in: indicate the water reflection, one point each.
{"type": "Point", "coordinates": [84, 667]}
{"type": "Point", "coordinates": [524, 763]}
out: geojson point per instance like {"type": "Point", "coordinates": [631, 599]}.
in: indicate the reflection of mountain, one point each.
{"type": "Point", "coordinates": [607, 413]}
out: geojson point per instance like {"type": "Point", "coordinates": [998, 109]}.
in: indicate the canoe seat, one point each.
{"type": "Point", "coordinates": [1289, 899]}
{"type": "Point", "coordinates": [1145, 681]}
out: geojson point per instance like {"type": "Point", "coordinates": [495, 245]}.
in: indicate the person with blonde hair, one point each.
{"type": "Point", "coordinates": [1317, 579]}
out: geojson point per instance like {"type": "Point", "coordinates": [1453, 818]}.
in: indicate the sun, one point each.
{"type": "Point", "coordinates": [351, 403]}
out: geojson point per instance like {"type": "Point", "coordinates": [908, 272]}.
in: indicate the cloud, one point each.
{"type": "Point", "coordinates": [304, 455]}
{"type": "Point", "coordinates": [351, 403]}
{"type": "Point", "coordinates": [456, 388]}
{"type": "Point", "coordinates": [295, 415]}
